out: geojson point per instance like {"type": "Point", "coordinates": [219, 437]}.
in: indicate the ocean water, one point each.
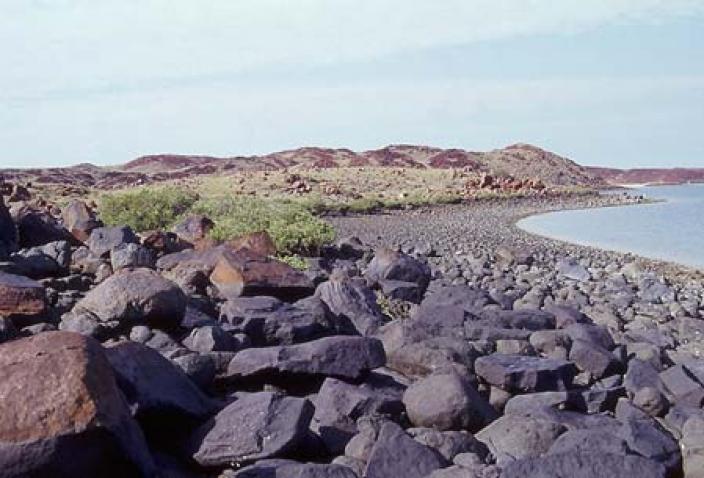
{"type": "Point", "coordinates": [672, 230]}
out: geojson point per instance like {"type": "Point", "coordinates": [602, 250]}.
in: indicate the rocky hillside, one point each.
{"type": "Point", "coordinates": [519, 161]}
{"type": "Point", "coordinates": [648, 176]}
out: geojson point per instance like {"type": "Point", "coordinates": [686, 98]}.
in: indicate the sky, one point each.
{"type": "Point", "coordinates": [604, 82]}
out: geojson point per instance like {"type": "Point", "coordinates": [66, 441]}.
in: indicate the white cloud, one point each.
{"type": "Point", "coordinates": [52, 46]}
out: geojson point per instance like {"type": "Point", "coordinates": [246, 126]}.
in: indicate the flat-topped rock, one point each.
{"type": "Point", "coordinates": [255, 426]}
{"type": "Point", "coordinates": [245, 272]}
{"type": "Point", "coordinates": [20, 295]}
{"type": "Point", "coordinates": [523, 374]}
{"type": "Point", "coordinates": [341, 356]}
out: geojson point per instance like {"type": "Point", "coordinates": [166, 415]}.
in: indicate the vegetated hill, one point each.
{"type": "Point", "coordinates": [648, 176]}
{"type": "Point", "coordinates": [520, 161]}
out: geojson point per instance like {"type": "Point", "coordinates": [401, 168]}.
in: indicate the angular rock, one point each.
{"type": "Point", "coordinates": [67, 420]}
{"type": "Point", "coordinates": [682, 386]}
{"type": "Point", "coordinates": [594, 359]}
{"type": "Point", "coordinates": [258, 242]}
{"type": "Point", "coordinates": [584, 465]}
{"type": "Point", "coordinates": [155, 388]}
{"type": "Point", "coordinates": [342, 357]}
{"type": "Point", "coordinates": [246, 273]}
{"type": "Point", "coordinates": [140, 296]}
{"type": "Point", "coordinates": [267, 321]}
{"type": "Point", "coordinates": [447, 401]}
{"type": "Point", "coordinates": [104, 239]}
{"type": "Point", "coordinates": [572, 270]}
{"type": "Point", "coordinates": [449, 443]}
{"type": "Point", "coordinates": [468, 298]}
{"type": "Point", "coordinates": [20, 295]}
{"type": "Point", "coordinates": [131, 255]}
{"type": "Point", "coordinates": [396, 266]}
{"type": "Point", "coordinates": [338, 406]}
{"type": "Point", "coordinates": [79, 220]}
{"type": "Point", "coordinates": [515, 437]}
{"type": "Point", "coordinates": [211, 339]}
{"type": "Point", "coordinates": [254, 427]}
{"type": "Point", "coordinates": [36, 228]}
{"type": "Point", "coordinates": [194, 228]}
{"type": "Point", "coordinates": [395, 454]}
{"type": "Point", "coordinates": [522, 374]}
{"type": "Point", "coordinates": [350, 299]}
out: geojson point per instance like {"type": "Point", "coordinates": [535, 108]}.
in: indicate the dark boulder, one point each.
{"type": "Point", "coordinates": [396, 454]}
{"type": "Point", "coordinates": [102, 240]}
{"type": "Point", "coordinates": [342, 356]}
{"type": "Point", "coordinates": [522, 374]}
{"type": "Point", "coordinates": [254, 427]}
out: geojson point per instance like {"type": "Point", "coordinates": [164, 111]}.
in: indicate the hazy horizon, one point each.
{"type": "Point", "coordinates": [605, 83]}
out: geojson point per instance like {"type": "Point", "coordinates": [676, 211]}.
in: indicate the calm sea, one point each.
{"type": "Point", "coordinates": [671, 230]}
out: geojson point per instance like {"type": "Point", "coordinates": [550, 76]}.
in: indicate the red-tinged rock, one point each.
{"type": "Point", "coordinates": [62, 414]}
{"type": "Point", "coordinates": [258, 242]}
{"type": "Point", "coordinates": [20, 295]}
{"type": "Point", "coordinates": [245, 272]}
{"type": "Point", "coordinates": [80, 220]}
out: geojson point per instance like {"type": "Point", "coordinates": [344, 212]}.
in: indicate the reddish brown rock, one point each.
{"type": "Point", "coordinates": [245, 272]}
{"type": "Point", "coordinates": [61, 413]}
{"type": "Point", "coordinates": [20, 295]}
{"type": "Point", "coordinates": [259, 242]}
{"type": "Point", "coordinates": [79, 220]}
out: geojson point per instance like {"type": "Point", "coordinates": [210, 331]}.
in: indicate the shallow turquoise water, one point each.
{"type": "Point", "coordinates": [672, 230]}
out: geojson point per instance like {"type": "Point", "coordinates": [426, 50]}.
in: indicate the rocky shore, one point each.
{"type": "Point", "coordinates": [438, 343]}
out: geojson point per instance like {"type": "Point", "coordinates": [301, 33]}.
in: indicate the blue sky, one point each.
{"type": "Point", "coordinates": [605, 82]}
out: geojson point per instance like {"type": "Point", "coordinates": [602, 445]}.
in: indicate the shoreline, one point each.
{"type": "Point", "coordinates": [506, 213]}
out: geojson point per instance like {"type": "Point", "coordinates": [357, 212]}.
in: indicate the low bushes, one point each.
{"type": "Point", "coordinates": [293, 227]}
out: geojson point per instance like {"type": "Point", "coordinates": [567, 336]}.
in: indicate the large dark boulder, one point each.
{"type": "Point", "coordinates": [104, 239]}
{"type": "Point", "coordinates": [36, 228]}
{"type": "Point", "coordinates": [62, 414]}
{"type": "Point", "coordinates": [351, 300]}
{"type": "Point", "coordinates": [347, 357]}
{"type": "Point", "coordinates": [253, 427]}
{"type": "Point", "coordinates": [522, 374]}
{"type": "Point", "coordinates": [396, 454]}
{"type": "Point", "coordinates": [389, 265]}
{"type": "Point", "coordinates": [447, 401]}
{"type": "Point", "coordinates": [155, 388]}
{"type": "Point", "coordinates": [339, 405]}
{"type": "Point", "coordinates": [132, 298]}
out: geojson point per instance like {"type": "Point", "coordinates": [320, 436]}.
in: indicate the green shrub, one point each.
{"type": "Point", "coordinates": [295, 261]}
{"type": "Point", "coordinates": [146, 208]}
{"type": "Point", "coordinates": [292, 226]}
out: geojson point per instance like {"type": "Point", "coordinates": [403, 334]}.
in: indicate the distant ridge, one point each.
{"type": "Point", "coordinates": [521, 161]}
{"type": "Point", "coordinates": [653, 176]}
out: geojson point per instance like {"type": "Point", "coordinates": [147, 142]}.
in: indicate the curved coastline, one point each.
{"type": "Point", "coordinates": [661, 264]}
{"type": "Point", "coordinates": [493, 224]}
